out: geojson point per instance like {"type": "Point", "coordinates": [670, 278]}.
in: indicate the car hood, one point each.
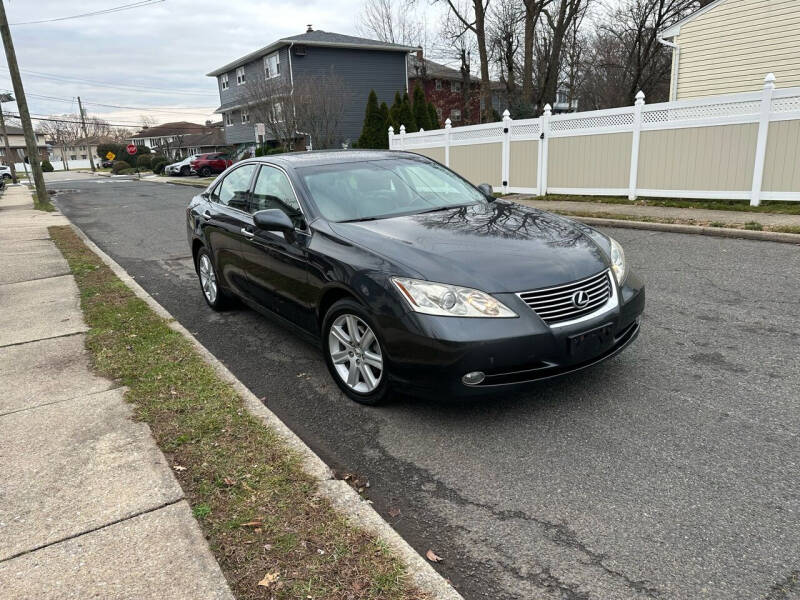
{"type": "Point", "coordinates": [498, 247]}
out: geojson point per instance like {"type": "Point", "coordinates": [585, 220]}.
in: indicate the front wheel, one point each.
{"type": "Point", "coordinates": [353, 353]}
{"type": "Point", "coordinates": [215, 297]}
{"type": "Point", "coordinates": [184, 171]}
{"type": "Point", "coordinates": [205, 172]}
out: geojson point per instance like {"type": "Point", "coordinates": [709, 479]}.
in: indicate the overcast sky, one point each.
{"type": "Point", "coordinates": [168, 46]}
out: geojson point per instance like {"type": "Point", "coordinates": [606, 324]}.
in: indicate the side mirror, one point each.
{"type": "Point", "coordinates": [273, 219]}
{"type": "Point", "coordinates": [486, 189]}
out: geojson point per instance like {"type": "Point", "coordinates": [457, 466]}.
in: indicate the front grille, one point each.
{"type": "Point", "coordinates": [556, 305]}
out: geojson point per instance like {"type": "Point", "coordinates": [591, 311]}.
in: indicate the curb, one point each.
{"type": "Point", "coordinates": [341, 496]}
{"type": "Point", "coordinates": [746, 234]}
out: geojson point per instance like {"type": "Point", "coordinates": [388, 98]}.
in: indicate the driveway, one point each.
{"type": "Point", "coordinates": [670, 471]}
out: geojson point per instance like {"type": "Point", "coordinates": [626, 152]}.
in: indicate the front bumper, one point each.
{"type": "Point", "coordinates": [429, 354]}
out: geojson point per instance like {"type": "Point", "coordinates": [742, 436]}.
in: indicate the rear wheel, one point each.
{"type": "Point", "coordinates": [184, 171]}
{"type": "Point", "coordinates": [354, 354]}
{"type": "Point", "coordinates": [204, 172]}
{"type": "Point", "coordinates": [215, 297]}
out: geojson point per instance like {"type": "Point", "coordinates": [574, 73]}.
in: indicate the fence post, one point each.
{"type": "Point", "coordinates": [544, 134]}
{"type": "Point", "coordinates": [506, 149]}
{"type": "Point", "coordinates": [761, 142]}
{"type": "Point", "coordinates": [391, 137]}
{"type": "Point", "coordinates": [402, 137]}
{"type": "Point", "coordinates": [447, 126]}
{"type": "Point", "coordinates": [637, 129]}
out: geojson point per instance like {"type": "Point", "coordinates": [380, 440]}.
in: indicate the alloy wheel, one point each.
{"type": "Point", "coordinates": [208, 279]}
{"type": "Point", "coordinates": [355, 353]}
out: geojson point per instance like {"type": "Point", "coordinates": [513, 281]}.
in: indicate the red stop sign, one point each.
{"type": "Point", "coordinates": [131, 149]}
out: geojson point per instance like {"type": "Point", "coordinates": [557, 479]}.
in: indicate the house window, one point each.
{"type": "Point", "coordinates": [455, 115]}
{"type": "Point", "coordinates": [438, 84]}
{"type": "Point", "coordinates": [278, 112]}
{"type": "Point", "coordinates": [245, 117]}
{"type": "Point", "coordinates": [223, 81]}
{"type": "Point", "coordinates": [73, 157]}
{"type": "Point", "coordinates": [272, 65]}
{"type": "Point", "coordinates": [228, 118]}
{"type": "Point", "coordinates": [455, 86]}
{"type": "Point", "coordinates": [240, 76]}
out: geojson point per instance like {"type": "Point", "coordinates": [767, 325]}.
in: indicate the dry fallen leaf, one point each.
{"type": "Point", "coordinates": [394, 512]}
{"type": "Point", "coordinates": [179, 468]}
{"type": "Point", "coordinates": [269, 579]}
{"type": "Point", "coordinates": [252, 524]}
{"type": "Point", "coordinates": [229, 482]}
{"type": "Point", "coordinates": [433, 557]}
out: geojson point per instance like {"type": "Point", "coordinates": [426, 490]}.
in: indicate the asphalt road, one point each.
{"type": "Point", "coordinates": [670, 471]}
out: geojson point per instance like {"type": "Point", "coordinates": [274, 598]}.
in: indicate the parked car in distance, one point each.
{"type": "Point", "coordinates": [5, 171]}
{"type": "Point", "coordinates": [182, 167]}
{"type": "Point", "coordinates": [107, 164]}
{"type": "Point", "coordinates": [210, 163]}
{"type": "Point", "coordinates": [408, 276]}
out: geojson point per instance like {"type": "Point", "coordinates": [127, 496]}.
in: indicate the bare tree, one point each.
{"type": "Point", "coordinates": [504, 40]}
{"type": "Point", "coordinates": [120, 134]}
{"type": "Point", "coordinates": [319, 106]}
{"type": "Point", "coordinates": [395, 21]}
{"type": "Point", "coordinates": [271, 102]}
{"type": "Point", "coordinates": [147, 121]}
{"type": "Point", "coordinates": [472, 17]}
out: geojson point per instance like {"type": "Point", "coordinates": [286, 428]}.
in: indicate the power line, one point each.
{"type": "Point", "coordinates": [92, 14]}
{"type": "Point", "coordinates": [65, 79]}
{"type": "Point", "coordinates": [199, 128]}
{"type": "Point", "coordinates": [173, 109]}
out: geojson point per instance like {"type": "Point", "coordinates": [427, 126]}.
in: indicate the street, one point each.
{"type": "Point", "coordinates": [669, 471]}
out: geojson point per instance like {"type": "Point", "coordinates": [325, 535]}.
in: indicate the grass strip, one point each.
{"type": "Point", "coordinates": [750, 225]}
{"type": "Point", "coordinates": [269, 531]}
{"type": "Point", "coordinates": [767, 206]}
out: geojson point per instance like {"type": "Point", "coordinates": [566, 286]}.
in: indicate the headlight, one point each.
{"type": "Point", "coordinates": [449, 300]}
{"type": "Point", "coordinates": [618, 261]}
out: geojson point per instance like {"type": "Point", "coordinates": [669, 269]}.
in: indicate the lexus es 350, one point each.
{"type": "Point", "coordinates": [409, 276]}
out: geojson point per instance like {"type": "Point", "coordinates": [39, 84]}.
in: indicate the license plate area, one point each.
{"type": "Point", "coordinates": [590, 343]}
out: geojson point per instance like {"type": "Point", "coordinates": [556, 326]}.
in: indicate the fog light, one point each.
{"type": "Point", "coordinates": [473, 378]}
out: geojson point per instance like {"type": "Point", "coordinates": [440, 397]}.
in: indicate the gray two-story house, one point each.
{"type": "Point", "coordinates": [361, 64]}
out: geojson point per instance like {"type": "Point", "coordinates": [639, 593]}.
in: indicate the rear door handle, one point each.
{"type": "Point", "coordinates": [247, 233]}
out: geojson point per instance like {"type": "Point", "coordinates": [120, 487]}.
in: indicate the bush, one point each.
{"type": "Point", "coordinates": [144, 161]}
{"type": "Point", "coordinates": [47, 167]}
{"type": "Point", "coordinates": [119, 165]}
{"type": "Point", "coordinates": [158, 166]}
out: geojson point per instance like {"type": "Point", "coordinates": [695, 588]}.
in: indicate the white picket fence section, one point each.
{"type": "Point", "coordinates": [740, 146]}
{"type": "Point", "coordinates": [59, 165]}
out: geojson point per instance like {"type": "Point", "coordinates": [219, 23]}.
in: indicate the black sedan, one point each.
{"type": "Point", "coordinates": [410, 277]}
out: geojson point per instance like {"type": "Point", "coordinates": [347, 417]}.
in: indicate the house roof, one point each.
{"type": "Point", "coordinates": [174, 128]}
{"type": "Point", "coordinates": [675, 28]}
{"type": "Point", "coordinates": [91, 141]}
{"type": "Point", "coordinates": [201, 140]}
{"type": "Point", "coordinates": [315, 38]}
{"type": "Point", "coordinates": [432, 69]}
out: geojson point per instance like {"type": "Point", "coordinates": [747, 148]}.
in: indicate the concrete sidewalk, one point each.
{"type": "Point", "coordinates": [729, 217]}
{"type": "Point", "coordinates": [89, 506]}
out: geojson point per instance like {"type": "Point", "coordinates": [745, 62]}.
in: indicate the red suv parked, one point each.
{"type": "Point", "coordinates": [213, 162]}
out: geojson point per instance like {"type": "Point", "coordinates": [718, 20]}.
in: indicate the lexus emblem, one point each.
{"type": "Point", "coordinates": [580, 298]}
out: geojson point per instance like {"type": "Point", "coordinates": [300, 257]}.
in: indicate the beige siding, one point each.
{"type": "Point", "coordinates": [523, 164]}
{"type": "Point", "coordinates": [698, 158]}
{"type": "Point", "coordinates": [589, 161]}
{"type": "Point", "coordinates": [436, 154]}
{"type": "Point", "coordinates": [782, 166]}
{"type": "Point", "coordinates": [731, 47]}
{"type": "Point", "coordinates": [479, 163]}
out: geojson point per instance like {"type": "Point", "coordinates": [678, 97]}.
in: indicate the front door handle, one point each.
{"type": "Point", "coordinates": [207, 215]}
{"type": "Point", "coordinates": [247, 233]}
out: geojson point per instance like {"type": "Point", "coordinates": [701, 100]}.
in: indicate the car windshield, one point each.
{"type": "Point", "coordinates": [384, 188]}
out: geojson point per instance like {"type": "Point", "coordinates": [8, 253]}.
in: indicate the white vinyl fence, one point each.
{"type": "Point", "coordinates": [59, 165]}
{"type": "Point", "coordinates": [737, 147]}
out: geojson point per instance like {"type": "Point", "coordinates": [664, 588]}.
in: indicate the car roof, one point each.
{"type": "Point", "coordinates": [328, 157]}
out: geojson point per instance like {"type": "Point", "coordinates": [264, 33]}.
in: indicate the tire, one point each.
{"type": "Point", "coordinates": [6, 176]}
{"type": "Point", "coordinates": [204, 172]}
{"type": "Point", "coordinates": [184, 171]}
{"type": "Point", "coordinates": [214, 295]}
{"type": "Point", "coordinates": [354, 367]}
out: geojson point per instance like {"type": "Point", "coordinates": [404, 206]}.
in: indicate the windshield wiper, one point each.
{"type": "Point", "coordinates": [360, 220]}
{"type": "Point", "coordinates": [430, 210]}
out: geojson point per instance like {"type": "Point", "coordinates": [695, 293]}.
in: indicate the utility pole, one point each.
{"type": "Point", "coordinates": [85, 133]}
{"type": "Point", "coordinates": [7, 98]}
{"type": "Point", "coordinates": [42, 198]}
